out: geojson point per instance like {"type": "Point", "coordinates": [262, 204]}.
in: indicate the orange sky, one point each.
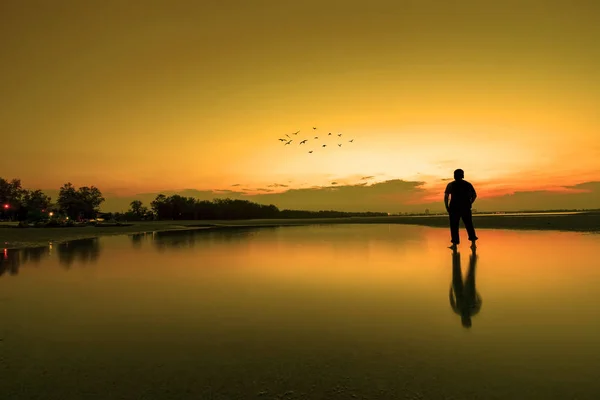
{"type": "Point", "coordinates": [143, 97]}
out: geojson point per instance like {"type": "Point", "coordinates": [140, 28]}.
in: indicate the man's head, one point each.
{"type": "Point", "coordinates": [459, 174]}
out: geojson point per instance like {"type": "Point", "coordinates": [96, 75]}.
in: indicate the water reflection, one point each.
{"type": "Point", "coordinates": [34, 255]}
{"type": "Point", "coordinates": [344, 236]}
{"type": "Point", "coordinates": [10, 262]}
{"type": "Point", "coordinates": [12, 259]}
{"type": "Point", "coordinates": [136, 239]}
{"type": "Point", "coordinates": [84, 251]}
{"type": "Point", "coordinates": [330, 311]}
{"type": "Point", "coordinates": [464, 298]}
{"type": "Point", "coordinates": [191, 238]}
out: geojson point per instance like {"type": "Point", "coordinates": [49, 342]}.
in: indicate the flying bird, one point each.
{"type": "Point", "coordinates": [295, 133]}
{"type": "Point", "coordinates": [339, 135]}
{"type": "Point", "coordinates": [283, 140]}
{"type": "Point", "coordinates": [310, 151]}
{"type": "Point", "coordinates": [302, 142]}
{"type": "Point", "coordinates": [324, 145]}
{"type": "Point", "coordinates": [316, 137]}
{"type": "Point", "coordinates": [287, 135]}
{"type": "Point", "coordinates": [340, 145]}
{"type": "Point", "coordinates": [314, 128]}
{"type": "Point", "coordinates": [351, 140]}
{"type": "Point", "coordinates": [329, 134]}
{"type": "Point", "coordinates": [288, 142]}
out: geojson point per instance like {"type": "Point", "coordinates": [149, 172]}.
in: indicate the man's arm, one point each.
{"type": "Point", "coordinates": [447, 196]}
{"type": "Point", "coordinates": [473, 194]}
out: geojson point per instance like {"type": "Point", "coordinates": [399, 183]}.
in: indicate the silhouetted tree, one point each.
{"type": "Point", "coordinates": [136, 207]}
{"type": "Point", "coordinates": [137, 211]}
{"type": "Point", "coordinates": [34, 205]}
{"type": "Point", "coordinates": [21, 204]}
{"type": "Point", "coordinates": [11, 194]}
{"type": "Point", "coordinates": [177, 207]}
{"type": "Point", "coordinates": [81, 203]}
{"type": "Point", "coordinates": [159, 207]}
{"type": "Point", "coordinates": [91, 198]}
{"type": "Point", "coordinates": [68, 201]}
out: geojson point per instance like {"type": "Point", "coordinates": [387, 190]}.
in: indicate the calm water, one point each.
{"type": "Point", "coordinates": [321, 312]}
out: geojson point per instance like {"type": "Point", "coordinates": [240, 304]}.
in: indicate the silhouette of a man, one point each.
{"type": "Point", "coordinates": [462, 195]}
{"type": "Point", "coordinates": [464, 298]}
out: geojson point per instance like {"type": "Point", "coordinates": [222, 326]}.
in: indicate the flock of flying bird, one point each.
{"type": "Point", "coordinates": [289, 139]}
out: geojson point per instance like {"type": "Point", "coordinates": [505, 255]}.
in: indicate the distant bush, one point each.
{"type": "Point", "coordinates": [53, 223]}
{"type": "Point", "coordinates": [37, 216]}
{"type": "Point", "coordinates": [110, 224]}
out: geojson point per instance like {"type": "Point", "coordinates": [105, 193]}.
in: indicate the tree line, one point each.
{"type": "Point", "coordinates": [83, 203]}
{"type": "Point", "coordinates": [19, 204]}
{"type": "Point", "coordinates": [178, 207]}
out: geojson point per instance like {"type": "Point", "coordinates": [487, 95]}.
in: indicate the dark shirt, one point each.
{"type": "Point", "coordinates": [461, 194]}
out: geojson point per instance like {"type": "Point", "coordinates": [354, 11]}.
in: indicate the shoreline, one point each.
{"type": "Point", "coordinates": [15, 238]}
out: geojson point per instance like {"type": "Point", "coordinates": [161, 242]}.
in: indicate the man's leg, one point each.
{"type": "Point", "coordinates": [454, 221]}
{"type": "Point", "coordinates": [470, 290]}
{"type": "Point", "coordinates": [457, 301]}
{"type": "Point", "coordinates": [467, 218]}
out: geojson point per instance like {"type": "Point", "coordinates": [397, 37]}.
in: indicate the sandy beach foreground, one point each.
{"type": "Point", "coordinates": [12, 237]}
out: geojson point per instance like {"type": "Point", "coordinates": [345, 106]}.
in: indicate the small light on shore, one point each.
{"type": "Point", "coordinates": [50, 213]}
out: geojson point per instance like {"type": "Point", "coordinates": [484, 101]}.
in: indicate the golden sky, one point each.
{"type": "Point", "coordinates": [148, 96]}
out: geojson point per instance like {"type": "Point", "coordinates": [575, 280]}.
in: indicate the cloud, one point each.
{"type": "Point", "coordinates": [586, 187]}
{"type": "Point", "coordinates": [278, 185]}
{"type": "Point", "coordinates": [389, 196]}
{"type": "Point", "coordinates": [226, 192]}
{"type": "Point", "coordinates": [360, 197]}
{"type": "Point", "coordinates": [581, 196]}
{"type": "Point", "coordinates": [236, 184]}
{"type": "Point", "coordinates": [334, 183]}
{"type": "Point", "coordinates": [385, 196]}
{"type": "Point", "coordinates": [364, 178]}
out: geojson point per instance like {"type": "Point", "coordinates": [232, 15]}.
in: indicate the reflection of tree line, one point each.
{"type": "Point", "coordinates": [191, 237]}
{"type": "Point", "coordinates": [465, 300]}
{"type": "Point", "coordinates": [83, 251]}
{"type": "Point", "coordinates": [188, 238]}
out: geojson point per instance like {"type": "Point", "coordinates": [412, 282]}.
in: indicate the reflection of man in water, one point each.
{"type": "Point", "coordinates": [462, 195]}
{"type": "Point", "coordinates": [464, 298]}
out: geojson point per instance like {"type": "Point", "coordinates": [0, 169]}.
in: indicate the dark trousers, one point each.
{"type": "Point", "coordinates": [467, 218]}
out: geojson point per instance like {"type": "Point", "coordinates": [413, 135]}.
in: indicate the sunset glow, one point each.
{"type": "Point", "coordinates": [143, 99]}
